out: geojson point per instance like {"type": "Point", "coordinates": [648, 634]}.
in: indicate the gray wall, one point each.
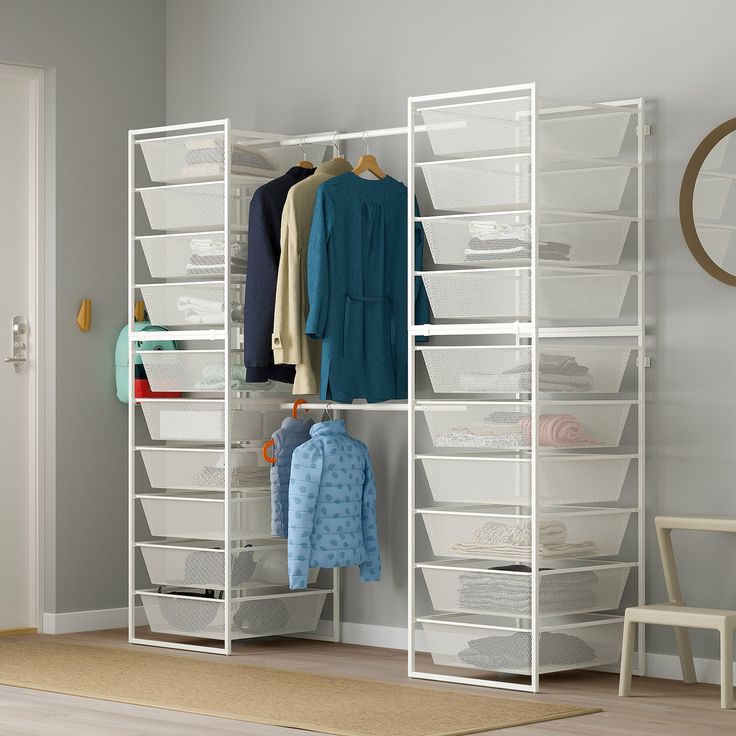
{"type": "Point", "coordinates": [109, 61]}
{"type": "Point", "coordinates": [295, 67]}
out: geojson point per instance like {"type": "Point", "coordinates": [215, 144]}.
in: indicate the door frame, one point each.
{"type": "Point", "coordinates": [41, 321]}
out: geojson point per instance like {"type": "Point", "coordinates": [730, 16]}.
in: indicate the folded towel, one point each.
{"type": "Point", "coordinates": [216, 372]}
{"type": "Point", "coordinates": [522, 382]}
{"type": "Point", "coordinates": [557, 430]}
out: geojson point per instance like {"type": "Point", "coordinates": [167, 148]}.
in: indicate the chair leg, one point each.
{"type": "Point", "coordinates": [726, 666]}
{"type": "Point", "coordinates": [686, 655]}
{"type": "Point", "coordinates": [627, 656]}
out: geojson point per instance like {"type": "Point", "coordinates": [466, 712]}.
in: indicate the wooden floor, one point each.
{"type": "Point", "coordinates": [658, 707]}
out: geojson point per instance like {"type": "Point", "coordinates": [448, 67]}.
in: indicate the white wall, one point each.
{"type": "Point", "coordinates": [296, 66]}
{"type": "Point", "coordinates": [108, 61]}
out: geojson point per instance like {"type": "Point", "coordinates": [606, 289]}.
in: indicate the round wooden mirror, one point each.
{"type": "Point", "coordinates": [708, 203]}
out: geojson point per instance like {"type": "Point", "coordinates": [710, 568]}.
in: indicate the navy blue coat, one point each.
{"type": "Point", "coordinates": [264, 252]}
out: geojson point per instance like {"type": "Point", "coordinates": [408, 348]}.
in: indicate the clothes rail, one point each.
{"type": "Point", "coordinates": [384, 406]}
{"type": "Point", "coordinates": [364, 134]}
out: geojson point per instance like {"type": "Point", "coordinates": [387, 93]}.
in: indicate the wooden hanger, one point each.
{"type": "Point", "coordinates": [304, 163]}
{"type": "Point", "coordinates": [367, 162]}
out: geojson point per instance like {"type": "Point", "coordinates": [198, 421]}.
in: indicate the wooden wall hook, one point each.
{"type": "Point", "coordinates": [84, 315]}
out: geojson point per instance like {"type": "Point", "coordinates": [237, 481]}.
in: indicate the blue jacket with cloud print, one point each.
{"type": "Point", "coordinates": [332, 506]}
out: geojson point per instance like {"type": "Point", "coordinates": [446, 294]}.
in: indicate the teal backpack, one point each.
{"type": "Point", "coordinates": [121, 354]}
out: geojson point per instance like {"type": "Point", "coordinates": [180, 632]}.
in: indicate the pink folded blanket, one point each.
{"type": "Point", "coordinates": [556, 430]}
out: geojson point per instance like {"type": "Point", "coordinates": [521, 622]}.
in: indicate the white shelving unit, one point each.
{"type": "Point", "coordinates": [202, 562]}
{"type": "Point", "coordinates": [526, 405]}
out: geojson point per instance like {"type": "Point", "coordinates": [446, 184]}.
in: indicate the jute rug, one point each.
{"type": "Point", "coordinates": [333, 705]}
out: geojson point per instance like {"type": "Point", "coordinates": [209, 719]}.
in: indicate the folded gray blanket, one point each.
{"type": "Point", "coordinates": [512, 652]}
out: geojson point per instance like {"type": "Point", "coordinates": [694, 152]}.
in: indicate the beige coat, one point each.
{"type": "Point", "coordinates": [290, 345]}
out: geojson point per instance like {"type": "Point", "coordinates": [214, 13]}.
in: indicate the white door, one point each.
{"type": "Point", "coordinates": [19, 120]}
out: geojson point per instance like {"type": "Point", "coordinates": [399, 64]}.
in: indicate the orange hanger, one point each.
{"type": "Point", "coordinates": [367, 162]}
{"type": "Point", "coordinates": [266, 446]}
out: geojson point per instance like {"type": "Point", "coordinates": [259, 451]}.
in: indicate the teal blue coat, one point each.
{"type": "Point", "coordinates": [356, 280]}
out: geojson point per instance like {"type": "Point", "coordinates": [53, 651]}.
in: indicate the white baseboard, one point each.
{"type": "Point", "coordinates": [75, 621]}
{"type": "Point", "coordinates": [666, 666]}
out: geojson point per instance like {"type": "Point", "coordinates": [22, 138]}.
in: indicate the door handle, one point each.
{"type": "Point", "coordinates": [18, 330]}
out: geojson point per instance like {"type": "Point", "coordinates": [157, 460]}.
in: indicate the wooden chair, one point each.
{"type": "Point", "coordinates": [676, 613]}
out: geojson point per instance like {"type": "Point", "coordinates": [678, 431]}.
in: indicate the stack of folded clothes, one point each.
{"type": "Point", "coordinates": [558, 593]}
{"type": "Point", "coordinates": [494, 241]}
{"type": "Point", "coordinates": [208, 258]}
{"type": "Point", "coordinates": [205, 159]}
{"type": "Point", "coordinates": [207, 311]}
{"type": "Point", "coordinates": [509, 429]}
{"type": "Point", "coordinates": [213, 379]}
{"type": "Point", "coordinates": [496, 540]}
{"type": "Point", "coordinates": [512, 652]}
{"type": "Point", "coordinates": [558, 373]}
{"type": "Point", "coordinates": [241, 476]}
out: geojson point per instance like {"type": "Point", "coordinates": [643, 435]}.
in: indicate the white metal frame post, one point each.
{"type": "Point", "coordinates": [534, 621]}
{"type": "Point", "coordinates": [411, 392]}
{"type": "Point", "coordinates": [131, 388]}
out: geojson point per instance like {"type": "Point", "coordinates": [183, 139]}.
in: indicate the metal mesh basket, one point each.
{"type": "Point", "coordinates": [185, 207]}
{"type": "Point", "coordinates": [180, 256]}
{"type": "Point", "coordinates": [568, 533]}
{"type": "Point", "coordinates": [582, 295]}
{"type": "Point", "coordinates": [496, 369]}
{"type": "Point", "coordinates": [508, 426]}
{"type": "Point", "coordinates": [489, 125]}
{"type": "Point", "coordinates": [272, 615]}
{"type": "Point", "coordinates": [204, 421]}
{"type": "Point", "coordinates": [185, 370]}
{"type": "Point", "coordinates": [204, 470]}
{"type": "Point", "coordinates": [565, 479]}
{"type": "Point", "coordinates": [261, 564]}
{"type": "Point", "coordinates": [452, 241]}
{"type": "Point", "coordinates": [598, 189]}
{"type": "Point", "coordinates": [569, 646]}
{"type": "Point", "coordinates": [594, 135]}
{"type": "Point", "coordinates": [191, 305]}
{"type": "Point", "coordinates": [203, 517]}
{"type": "Point", "coordinates": [479, 184]}
{"type": "Point", "coordinates": [482, 294]}
{"type": "Point", "coordinates": [474, 587]}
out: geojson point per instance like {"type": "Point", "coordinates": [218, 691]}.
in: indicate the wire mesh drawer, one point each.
{"type": "Point", "coordinates": [204, 517]}
{"type": "Point", "coordinates": [205, 421]}
{"type": "Point", "coordinates": [481, 294]}
{"type": "Point", "coordinates": [272, 615]}
{"type": "Point", "coordinates": [494, 125]}
{"type": "Point", "coordinates": [477, 426]}
{"type": "Point", "coordinates": [194, 564]}
{"type": "Point", "coordinates": [476, 127]}
{"type": "Point", "coordinates": [204, 470]}
{"type": "Point", "coordinates": [597, 135]}
{"type": "Point", "coordinates": [582, 296]}
{"type": "Point", "coordinates": [496, 369]}
{"type": "Point", "coordinates": [474, 185]}
{"type": "Point", "coordinates": [505, 241]}
{"type": "Point", "coordinates": [599, 189]}
{"type": "Point", "coordinates": [465, 641]}
{"type": "Point", "coordinates": [507, 480]}
{"type": "Point", "coordinates": [506, 590]}
{"type": "Point", "coordinates": [185, 206]}
{"type": "Point", "coordinates": [185, 370]}
{"type": "Point", "coordinates": [571, 532]}
{"type": "Point", "coordinates": [195, 303]}
{"type": "Point", "coordinates": [508, 426]}
{"type": "Point", "coordinates": [201, 255]}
